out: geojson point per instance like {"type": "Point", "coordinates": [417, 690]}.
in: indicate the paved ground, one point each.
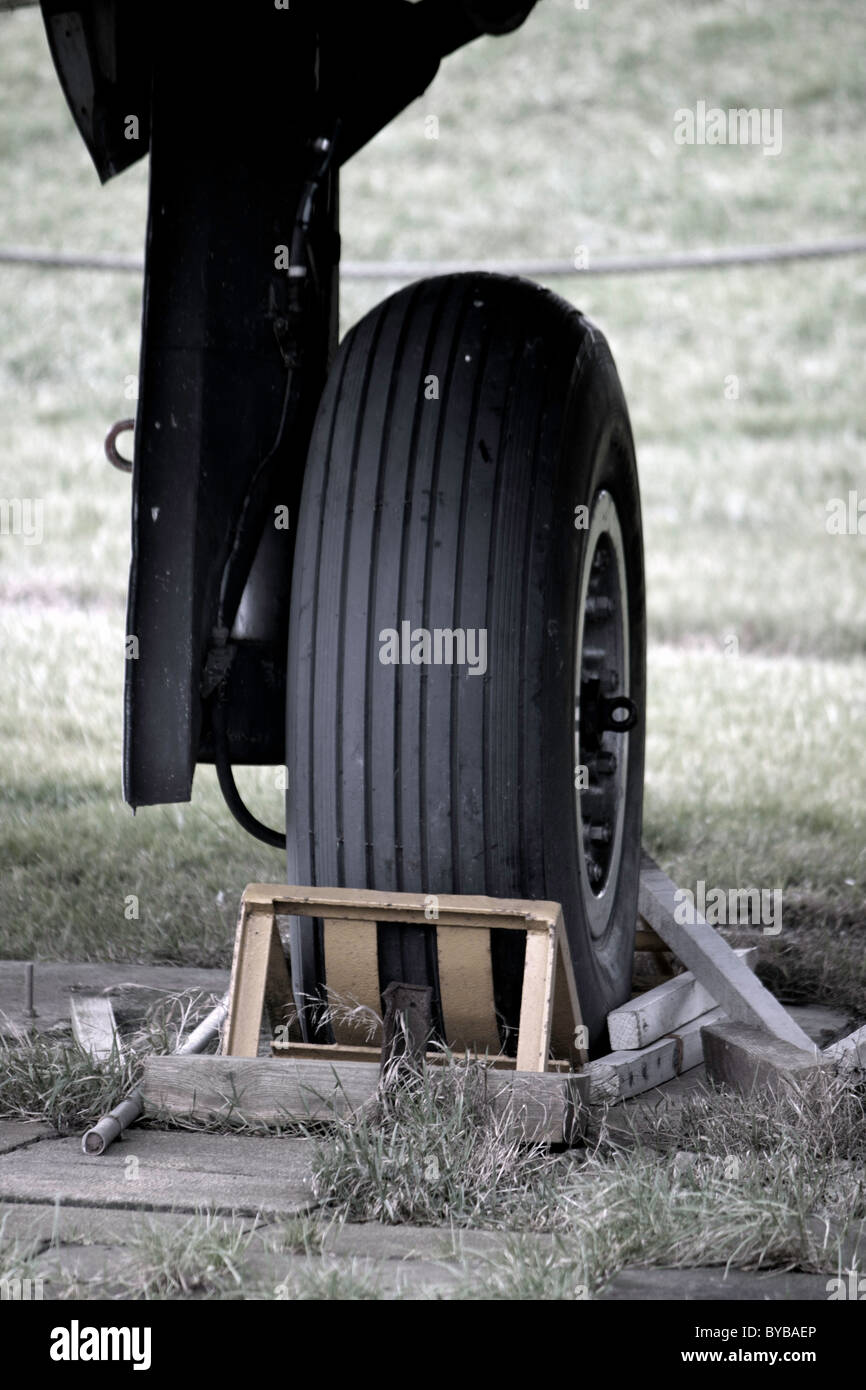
{"type": "Point", "coordinates": [134, 1220]}
{"type": "Point", "coordinates": [133, 989]}
{"type": "Point", "coordinates": [150, 1170]}
{"type": "Point", "coordinates": [99, 1228]}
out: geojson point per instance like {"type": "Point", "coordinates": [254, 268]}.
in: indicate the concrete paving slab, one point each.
{"type": "Point", "coordinates": [53, 1222]}
{"type": "Point", "coordinates": [372, 1240]}
{"type": "Point", "coordinates": [17, 1134]}
{"type": "Point", "coordinates": [134, 988]}
{"type": "Point", "coordinates": [701, 1285]}
{"type": "Point", "coordinates": [165, 1171]}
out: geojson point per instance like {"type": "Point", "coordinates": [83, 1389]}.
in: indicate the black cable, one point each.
{"type": "Point", "coordinates": [228, 786]}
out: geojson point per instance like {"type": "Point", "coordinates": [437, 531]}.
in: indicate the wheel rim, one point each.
{"type": "Point", "coordinates": [603, 712]}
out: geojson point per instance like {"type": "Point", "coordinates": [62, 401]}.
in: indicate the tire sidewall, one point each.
{"type": "Point", "coordinates": [596, 452]}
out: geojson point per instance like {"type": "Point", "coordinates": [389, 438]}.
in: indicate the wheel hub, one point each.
{"type": "Point", "coordinates": [603, 711]}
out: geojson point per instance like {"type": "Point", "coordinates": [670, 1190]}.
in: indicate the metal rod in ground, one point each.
{"type": "Point", "coordinates": [106, 1130]}
{"type": "Point", "coordinates": [29, 1011]}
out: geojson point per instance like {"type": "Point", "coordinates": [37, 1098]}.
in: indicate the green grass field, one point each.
{"type": "Point", "coordinates": [556, 137]}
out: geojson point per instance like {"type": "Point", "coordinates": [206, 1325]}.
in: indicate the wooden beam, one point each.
{"type": "Point", "coordinates": [360, 1052]}
{"type": "Point", "coordinates": [744, 1057]}
{"type": "Point", "coordinates": [250, 966]}
{"type": "Point", "coordinates": [849, 1054]}
{"type": "Point", "coordinates": [93, 1025]}
{"type": "Point", "coordinates": [711, 960]}
{"type": "Point", "coordinates": [509, 914]}
{"type": "Point", "coordinates": [662, 1010]}
{"type": "Point", "coordinates": [622, 1074]}
{"type": "Point", "coordinates": [543, 1107]}
{"type": "Point", "coordinates": [536, 1001]}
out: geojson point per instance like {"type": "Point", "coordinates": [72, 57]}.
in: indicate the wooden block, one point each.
{"type": "Point", "coordinates": [622, 1074]}
{"type": "Point", "coordinates": [466, 988]}
{"type": "Point", "coordinates": [93, 1025]}
{"type": "Point", "coordinates": [744, 1057]}
{"type": "Point", "coordinates": [711, 960]}
{"type": "Point", "coordinates": [352, 974]}
{"type": "Point", "coordinates": [664, 1009]}
{"type": "Point", "coordinates": [848, 1054]}
{"type": "Point", "coordinates": [543, 1107]}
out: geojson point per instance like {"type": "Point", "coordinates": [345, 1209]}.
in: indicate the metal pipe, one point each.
{"type": "Point", "coordinates": [106, 1130]}
{"type": "Point", "coordinates": [29, 1010]}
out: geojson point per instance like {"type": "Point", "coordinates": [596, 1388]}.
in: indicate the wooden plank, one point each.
{"type": "Point", "coordinates": [536, 1001]}
{"type": "Point", "coordinates": [662, 1010]}
{"type": "Point", "coordinates": [322, 1052]}
{"type": "Point", "coordinates": [466, 988]}
{"type": "Point", "coordinates": [93, 1025]}
{"type": "Point", "coordinates": [348, 1052]}
{"type": "Point", "coordinates": [744, 1057]}
{"type": "Point", "coordinates": [848, 1054]}
{"type": "Point", "coordinates": [252, 957]}
{"type": "Point", "coordinates": [256, 1088]}
{"type": "Point", "coordinates": [622, 1074]}
{"type": "Point", "coordinates": [541, 1106]}
{"type": "Point", "coordinates": [352, 975]}
{"type": "Point", "coordinates": [713, 962]}
{"type": "Point", "coordinates": [453, 909]}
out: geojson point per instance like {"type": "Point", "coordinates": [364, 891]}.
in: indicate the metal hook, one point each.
{"type": "Point", "coordinates": [118, 461]}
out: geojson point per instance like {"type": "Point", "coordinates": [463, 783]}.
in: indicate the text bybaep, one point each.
{"type": "Point", "coordinates": [438, 646]}
{"type": "Point", "coordinates": [77, 1343]}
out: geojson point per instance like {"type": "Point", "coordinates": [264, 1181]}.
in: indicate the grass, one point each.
{"type": "Point", "coordinates": [431, 1153]}
{"type": "Point", "coordinates": [200, 1259]}
{"type": "Point", "coordinates": [53, 1079]}
{"type": "Point", "coordinates": [772, 1181]}
{"type": "Point", "coordinates": [329, 1282]}
{"type": "Point", "coordinates": [717, 1180]}
{"type": "Point", "coordinates": [58, 1082]}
